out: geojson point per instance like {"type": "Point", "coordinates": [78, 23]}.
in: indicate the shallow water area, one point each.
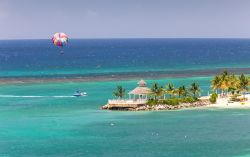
{"type": "Point", "coordinates": [42, 118]}
{"type": "Point", "coordinates": [75, 126]}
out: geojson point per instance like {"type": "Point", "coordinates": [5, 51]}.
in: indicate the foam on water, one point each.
{"type": "Point", "coordinates": [35, 96]}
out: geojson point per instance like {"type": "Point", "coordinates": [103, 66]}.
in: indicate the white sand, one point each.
{"type": "Point", "coordinates": [223, 103]}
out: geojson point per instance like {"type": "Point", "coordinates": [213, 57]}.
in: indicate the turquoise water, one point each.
{"type": "Point", "coordinates": [68, 126]}
{"type": "Point", "coordinates": [43, 119]}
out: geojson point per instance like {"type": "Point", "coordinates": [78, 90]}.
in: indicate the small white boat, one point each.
{"type": "Point", "coordinates": [79, 93]}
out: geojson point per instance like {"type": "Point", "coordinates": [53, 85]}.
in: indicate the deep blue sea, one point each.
{"type": "Point", "coordinates": [43, 119]}
{"type": "Point", "coordinates": [102, 56]}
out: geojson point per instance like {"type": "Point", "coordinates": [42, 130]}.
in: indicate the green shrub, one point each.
{"type": "Point", "coordinates": [171, 101]}
{"type": "Point", "coordinates": [152, 102]}
{"type": "Point", "coordinates": [213, 98]}
{"type": "Point", "coordinates": [188, 99]}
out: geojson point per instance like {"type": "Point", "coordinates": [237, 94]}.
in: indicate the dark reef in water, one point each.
{"type": "Point", "coordinates": [121, 76]}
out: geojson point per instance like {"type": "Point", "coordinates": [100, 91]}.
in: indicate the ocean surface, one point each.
{"type": "Point", "coordinates": [28, 58]}
{"type": "Point", "coordinates": [43, 119]}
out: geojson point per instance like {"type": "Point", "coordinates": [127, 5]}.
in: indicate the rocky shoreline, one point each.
{"type": "Point", "coordinates": [145, 107]}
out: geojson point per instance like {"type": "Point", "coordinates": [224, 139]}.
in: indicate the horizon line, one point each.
{"type": "Point", "coordinates": [131, 38]}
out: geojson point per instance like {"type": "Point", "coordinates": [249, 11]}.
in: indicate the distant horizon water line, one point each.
{"type": "Point", "coordinates": [127, 38]}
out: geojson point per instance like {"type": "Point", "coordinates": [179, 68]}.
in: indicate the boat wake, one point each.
{"type": "Point", "coordinates": [35, 96]}
{"type": "Point", "coordinates": [62, 96]}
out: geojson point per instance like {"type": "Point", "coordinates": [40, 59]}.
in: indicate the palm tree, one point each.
{"type": "Point", "coordinates": [157, 91]}
{"type": "Point", "coordinates": [160, 92]}
{"type": "Point", "coordinates": [154, 90]}
{"type": "Point", "coordinates": [178, 91]}
{"type": "Point", "coordinates": [230, 83]}
{"type": "Point", "coordinates": [195, 89]}
{"type": "Point", "coordinates": [224, 74]}
{"type": "Point", "coordinates": [119, 92]}
{"type": "Point", "coordinates": [215, 84]}
{"type": "Point", "coordinates": [224, 82]}
{"type": "Point", "coordinates": [184, 91]}
{"type": "Point", "coordinates": [170, 89]}
{"type": "Point", "coordinates": [243, 83]}
{"type": "Point", "coordinates": [233, 84]}
{"type": "Point", "coordinates": [232, 90]}
{"type": "Point", "coordinates": [181, 91]}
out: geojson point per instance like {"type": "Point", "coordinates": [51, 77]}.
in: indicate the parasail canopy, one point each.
{"type": "Point", "coordinates": [60, 39]}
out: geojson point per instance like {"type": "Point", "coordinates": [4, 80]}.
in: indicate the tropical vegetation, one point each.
{"type": "Point", "coordinates": [157, 91]}
{"type": "Point", "coordinates": [168, 95]}
{"type": "Point", "coordinates": [226, 84]}
{"type": "Point", "coordinates": [170, 89]}
{"type": "Point", "coordinates": [222, 85]}
{"type": "Point", "coordinates": [175, 96]}
{"type": "Point", "coordinates": [119, 92]}
{"type": "Point", "coordinates": [213, 98]}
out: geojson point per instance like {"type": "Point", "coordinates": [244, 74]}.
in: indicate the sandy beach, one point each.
{"type": "Point", "coordinates": [223, 103]}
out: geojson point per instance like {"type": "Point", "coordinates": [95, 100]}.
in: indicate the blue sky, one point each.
{"type": "Point", "coordinates": [25, 19]}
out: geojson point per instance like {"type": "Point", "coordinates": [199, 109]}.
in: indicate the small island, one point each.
{"type": "Point", "coordinates": [156, 98]}
{"type": "Point", "coordinates": [225, 89]}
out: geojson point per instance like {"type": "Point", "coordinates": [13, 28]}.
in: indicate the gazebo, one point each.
{"type": "Point", "coordinates": [142, 91]}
